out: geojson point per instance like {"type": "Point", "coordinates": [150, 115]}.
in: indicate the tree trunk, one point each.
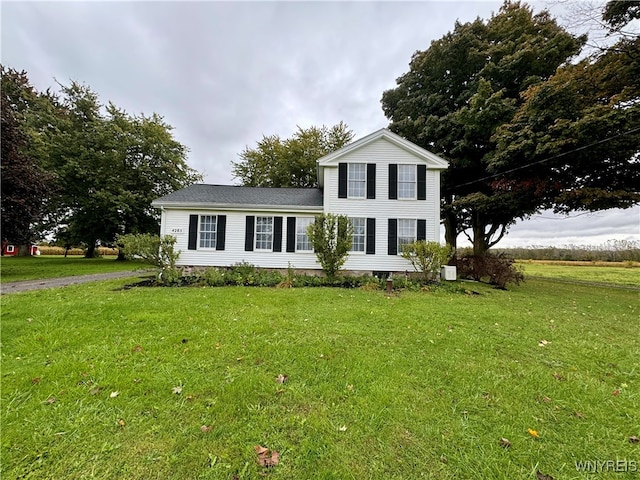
{"type": "Point", "coordinates": [91, 250]}
{"type": "Point", "coordinates": [480, 240]}
{"type": "Point", "coordinates": [450, 229]}
{"type": "Point", "coordinates": [24, 250]}
{"type": "Point", "coordinates": [121, 257]}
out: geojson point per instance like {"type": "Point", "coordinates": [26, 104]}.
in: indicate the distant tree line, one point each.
{"type": "Point", "coordinates": [80, 171]}
{"type": "Point", "coordinates": [611, 251]}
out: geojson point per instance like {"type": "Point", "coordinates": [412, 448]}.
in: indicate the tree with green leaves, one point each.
{"type": "Point", "coordinates": [578, 133]}
{"type": "Point", "coordinates": [107, 166]}
{"type": "Point", "coordinates": [331, 236]}
{"type": "Point", "coordinates": [26, 185]}
{"type": "Point", "coordinates": [455, 96]}
{"type": "Point", "coordinates": [291, 162]}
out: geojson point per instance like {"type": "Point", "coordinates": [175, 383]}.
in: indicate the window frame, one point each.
{"type": "Point", "coordinates": [360, 182]}
{"type": "Point", "coordinates": [362, 235]}
{"type": "Point", "coordinates": [302, 235]}
{"type": "Point", "coordinates": [268, 234]}
{"type": "Point", "coordinates": [413, 184]}
{"type": "Point", "coordinates": [213, 232]}
{"type": "Point", "coordinates": [402, 239]}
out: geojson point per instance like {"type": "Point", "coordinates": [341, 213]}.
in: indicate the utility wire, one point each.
{"type": "Point", "coordinates": [521, 167]}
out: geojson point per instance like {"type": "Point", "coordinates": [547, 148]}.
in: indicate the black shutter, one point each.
{"type": "Point", "coordinates": [371, 236]}
{"type": "Point", "coordinates": [248, 235]}
{"type": "Point", "coordinates": [422, 182]}
{"type": "Point", "coordinates": [393, 237]}
{"type": "Point", "coordinates": [421, 234]}
{"type": "Point", "coordinates": [193, 232]}
{"type": "Point", "coordinates": [393, 182]}
{"type": "Point", "coordinates": [277, 234]}
{"type": "Point", "coordinates": [221, 232]}
{"type": "Point", "coordinates": [342, 180]}
{"type": "Point", "coordinates": [291, 234]}
{"type": "Point", "coordinates": [371, 180]}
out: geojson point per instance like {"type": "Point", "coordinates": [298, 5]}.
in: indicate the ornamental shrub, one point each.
{"type": "Point", "coordinates": [427, 258]}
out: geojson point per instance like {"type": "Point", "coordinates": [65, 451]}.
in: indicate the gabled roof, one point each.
{"type": "Point", "coordinates": [230, 196]}
{"type": "Point", "coordinates": [434, 162]}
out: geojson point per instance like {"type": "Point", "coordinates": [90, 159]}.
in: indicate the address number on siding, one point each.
{"type": "Point", "coordinates": [176, 230]}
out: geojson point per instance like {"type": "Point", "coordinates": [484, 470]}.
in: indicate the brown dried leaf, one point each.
{"type": "Point", "coordinates": [206, 428]}
{"type": "Point", "coordinates": [542, 476]}
{"type": "Point", "coordinates": [558, 377]}
{"type": "Point", "coordinates": [282, 378]}
{"type": "Point", "coordinates": [50, 400]}
{"type": "Point", "coordinates": [634, 439]}
{"type": "Point", "coordinates": [266, 457]}
{"type": "Point", "coordinates": [504, 443]}
{"type": "Point", "coordinates": [137, 348]}
{"type": "Point", "coordinates": [35, 380]}
{"type": "Point", "coordinates": [121, 423]}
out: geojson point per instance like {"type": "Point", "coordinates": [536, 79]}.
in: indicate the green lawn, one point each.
{"type": "Point", "coordinates": [418, 385]}
{"type": "Point", "coordinates": [13, 269]}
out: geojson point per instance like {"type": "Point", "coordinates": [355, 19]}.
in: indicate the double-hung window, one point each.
{"type": "Point", "coordinates": [359, 234]}
{"type": "Point", "coordinates": [357, 180]}
{"type": "Point", "coordinates": [264, 233]}
{"type": "Point", "coordinates": [407, 181]}
{"type": "Point", "coordinates": [303, 243]}
{"type": "Point", "coordinates": [208, 231]}
{"type": "Point", "coordinates": [406, 232]}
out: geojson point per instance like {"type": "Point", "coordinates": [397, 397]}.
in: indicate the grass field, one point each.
{"type": "Point", "coordinates": [13, 269]}
{"type": "Point", "coordinates": [606, 273]}
{"type": "Point", "coordinates": [100, 382]}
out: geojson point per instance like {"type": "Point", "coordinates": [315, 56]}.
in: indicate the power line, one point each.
{"type": "Point", "coordinates": [521, 167]}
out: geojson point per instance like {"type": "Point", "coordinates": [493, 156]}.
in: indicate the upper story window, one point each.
{"type": "Point", "coordinates": [264, 233]}
{"type": "Point", "coordinates": [303, 243]}
{"type": "Point", "coordinates": [407, 182]}
{"type": "Point", "coordinates": [356, 180]}
{"type": "Point", "coordinates": [359, 234]}
{"type": "Point", "coordinates": [208, 231]}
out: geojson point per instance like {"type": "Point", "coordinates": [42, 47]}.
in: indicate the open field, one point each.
{"type": "Point", "coordinates": [627, 273]}
{"type": "Point", "coordinates": [13, 269]}
{"type": "Point", "coordinates": [182, 383]}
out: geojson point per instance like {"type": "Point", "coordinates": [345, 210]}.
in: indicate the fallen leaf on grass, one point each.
{"type": "Point", "coordinates": [121, 423]}
{"type": "Point", "coordinates": [177, 390]}
{"type": "Point", "coordinates": [615, 393]}
{"type": "Point", "coordinates": [579, 415]}
{"type": "Point", "coordinates": [542, 476]}
{"type": "Point", "coordinates": [50, 400]}
{"type": "Point", "coordinates": [282, 378]}
{"type": "Point", "coordinates": [543, 343]}
{"type": "Point", "coordinates": [114, 394]}
{"type": "Point", "coordinates": [137, 348]}
{"type": "Point", "coordinates": [558, 377]}
{"type": "Point", "coordinates": [95, 391]}
{"type": "Point", "coordinates": [443, 459]}
{"type": "Point", "coordinates": [634, 439]}
{"type": "Point", "coordinates": [266, 457]}
{"type": "Point", "coordinates": [205, 428]}
{"type": "Point", "coordinates": [504, 443]}
{"type": "Point", "coordinates": [343, 428]}
{"type": "Point", "coordinates": [533, 433]}
{"type": "Point", "coordinates": [35, 381]}
{"type": "Point", "coordinates": [546, 400]}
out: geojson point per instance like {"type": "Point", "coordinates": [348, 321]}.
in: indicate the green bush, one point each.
{"type": "Point", "coordinates": [331, 237]}
{"type": "Point", "coordinates": [427, 258]}
{"type": "Point", "coordinates": [496, 269]}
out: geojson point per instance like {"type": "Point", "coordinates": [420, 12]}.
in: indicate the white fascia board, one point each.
{"type": "Point", "coordinates": [434, 162]}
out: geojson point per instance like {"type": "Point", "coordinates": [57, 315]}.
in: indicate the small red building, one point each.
{"type": "Point", "coordinates": [9, 250]}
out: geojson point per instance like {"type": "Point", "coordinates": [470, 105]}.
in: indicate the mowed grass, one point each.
{"type": "Point", "coordinates": [416, 385]}
{"type": "Point", "coordinates": [623, 274]}
{"type": "Point", "coordinates": [13, 269]}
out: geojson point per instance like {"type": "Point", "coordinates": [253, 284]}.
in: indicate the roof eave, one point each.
{"type": "Point", "coordinates": [235, 206]}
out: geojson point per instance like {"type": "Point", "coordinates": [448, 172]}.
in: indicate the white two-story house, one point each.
{"type": "Point", "coordinates": [387, 186]}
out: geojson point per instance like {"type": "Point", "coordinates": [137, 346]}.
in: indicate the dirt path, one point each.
{"type": "Point", "coordinates": [27, 285]}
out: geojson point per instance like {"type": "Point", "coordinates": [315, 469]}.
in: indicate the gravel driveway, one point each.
{"type": "Point", "coordinates": [26, 285]}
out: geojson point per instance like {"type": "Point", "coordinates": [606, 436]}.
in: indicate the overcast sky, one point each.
{"type": "Point", "coordinates": [225, 73]}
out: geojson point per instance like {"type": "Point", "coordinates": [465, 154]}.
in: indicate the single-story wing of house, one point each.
{"type": "Point", "coordinates": [387, 186]}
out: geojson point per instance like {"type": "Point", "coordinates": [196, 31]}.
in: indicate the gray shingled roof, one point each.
{"type": "Point", "coordinates": [251, 196]}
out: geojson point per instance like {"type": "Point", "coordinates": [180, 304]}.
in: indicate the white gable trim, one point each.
{"type": "Point", "coordinates": [433, 160]}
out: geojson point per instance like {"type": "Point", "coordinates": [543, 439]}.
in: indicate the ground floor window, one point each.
{"type": "Point", "coordinates": [208, 231]}
{"type": "Point", "coordinates": [264, 233]}
{"type": "Point", "coordinates": [406, 232]}
{"type": "Point", "coordinates": [303, 242]}
{"type": "Point", "coordinates": [359, 234]}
